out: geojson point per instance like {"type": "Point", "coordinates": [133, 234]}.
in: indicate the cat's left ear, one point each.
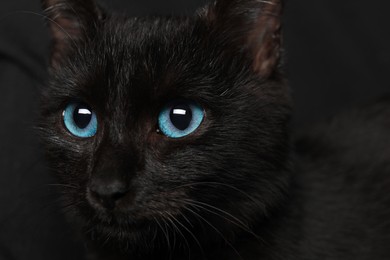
{"type": "Point", "coordinates": [69, 21]}
{"type": "Point", "coordinates": [250, 25]}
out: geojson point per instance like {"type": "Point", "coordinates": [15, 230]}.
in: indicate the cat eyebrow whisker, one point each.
{"type": "Point", "coordinates": [66, 4]}
{"type": "Point", "coordinates": [45, 17]}
{"type": "Point", "coordinates": [266, 2]}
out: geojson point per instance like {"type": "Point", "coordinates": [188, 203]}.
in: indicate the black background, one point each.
{"type": "Point", "coordinates": [338, 56]}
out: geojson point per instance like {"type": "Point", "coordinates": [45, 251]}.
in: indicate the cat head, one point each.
{"type": "Point", "coordinates": [160, 125]}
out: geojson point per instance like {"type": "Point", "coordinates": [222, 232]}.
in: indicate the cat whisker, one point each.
{"type": "Point", "coordinates": [49, 203]}
{"type": "Point", "coordinates": [63, 185]}
{"type": "Point", "coordinates": [175, 229]}
{"type": "Point", "coordinates": [236, 221]}
{"type": "Point", "coordinates": [192, 234]}
{"type": "Point", "coordinates": [90, 230]}
{"type": "Point", "coordinates": [122, 235]}
{"type": "Point", "coordinates": [213, 227]}
{"type": "Point", "coordinates": [154, 239]}
{"type": "Point", "coordinates": [67, 5]}
{"type": "Point", "coordinates": [178, 229]}
{"type": "Point", "coordinates": [162, 229]}
{"type": "Point", "coordinates": [108, 238]}
{"type": "Point", "coordinates": [166, 232]}
{"type": "Point", "coordinates": [266, 2]}
{"type": "Point", "coordinates": [66, 209]}
{"type": "Point", "coordinates": [45, 17]}
{"type": "Point", "coordinates": [186, 219]}
{"type": "Point", "coordinates": [213, 184]}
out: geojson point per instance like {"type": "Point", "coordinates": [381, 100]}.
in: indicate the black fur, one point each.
{"type": "Point", "coordinates": [235, 188]}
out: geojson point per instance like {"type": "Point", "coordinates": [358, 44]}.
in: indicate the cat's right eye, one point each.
{"type": "Point", "coordinates": [80, 120]}
{"type": "Point", "coordinates": [180, 118]}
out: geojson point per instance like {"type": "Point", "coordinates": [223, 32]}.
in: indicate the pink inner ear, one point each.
{"type": "Point", "coordinates": [265, 42]}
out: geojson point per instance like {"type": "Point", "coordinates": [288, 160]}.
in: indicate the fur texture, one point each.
{"type": "Point", "coordinates": [234, 189]}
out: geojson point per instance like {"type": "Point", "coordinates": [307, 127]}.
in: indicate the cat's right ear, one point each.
{"type": "Point", "coordinates": [250, 26]}
{"type": "Point", "coordinates": [69, 21]}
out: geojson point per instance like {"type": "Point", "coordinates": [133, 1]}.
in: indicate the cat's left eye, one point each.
{"type": "Point", "coordinates": [80, 120]}
{"type": "Point", "coordinates": [180, 118]}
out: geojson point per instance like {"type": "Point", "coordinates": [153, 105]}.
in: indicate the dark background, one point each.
{"type": "Point", "coordinates": [338, 56]}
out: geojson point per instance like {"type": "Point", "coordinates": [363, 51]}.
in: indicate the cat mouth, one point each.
{"type": "Point", "coordinates": [112, 230]}
{"type": "Point", "coordinates": [127, 211]}
{"type": "Point", "coordinates": [119, 227]}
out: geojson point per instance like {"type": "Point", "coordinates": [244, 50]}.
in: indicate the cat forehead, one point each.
{"type": "Point", "coordinates": [141, 42]}
{"type": "Point", "coordinates": [141, 61]}
{"type": "Point", "coordinates": [137, 62]}
{"type": "Point", "coordinates": [156, 51]}
{"type": "Point", "coordinates": [147, 34]}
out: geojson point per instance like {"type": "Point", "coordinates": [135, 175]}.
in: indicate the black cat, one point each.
{"type": "Point", "coordinates": [171, 139]}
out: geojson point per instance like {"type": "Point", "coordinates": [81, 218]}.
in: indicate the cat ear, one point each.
{"type": "Point", "coordinates": [253, 26]}
{"type": "Point", "coordinates": [69, 21]}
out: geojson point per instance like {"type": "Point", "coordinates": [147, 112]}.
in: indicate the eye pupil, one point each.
{"type": "Point", "coordinates": [181, 116]}
{"type": "Point", "coordinates": [82, 116]}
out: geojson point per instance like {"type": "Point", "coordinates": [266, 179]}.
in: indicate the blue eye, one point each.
{"type": "Point", "coordinates": [180, 118]}
{"type": "Point", "coordinates": [80, 120]}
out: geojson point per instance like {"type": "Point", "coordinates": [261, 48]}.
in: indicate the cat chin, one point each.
{"type": "Point", "coordinates": [114, 231]}
{"type": "Point", "coordinates": [122, 240]}
{"type": "Point", "coordinates": [138, 240]}
{"type": "Point", "coordinates": [122, 233]}
{"type": "Point", "coordinates": [149, 240]}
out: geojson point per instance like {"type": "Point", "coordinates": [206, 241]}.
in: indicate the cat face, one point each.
{"type": "Point", "coordinates": [158, 127]}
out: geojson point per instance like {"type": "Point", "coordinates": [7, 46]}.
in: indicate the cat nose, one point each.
{"type": "Point", "coordinates": [106, 192]}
